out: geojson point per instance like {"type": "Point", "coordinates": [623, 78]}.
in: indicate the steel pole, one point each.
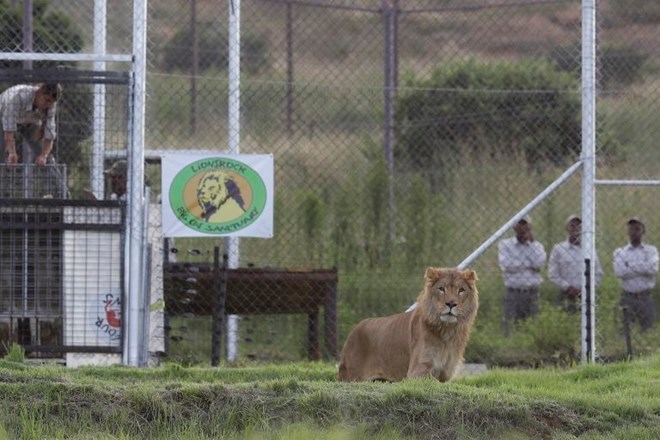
{"type": "Point", "coordinates": [588, 158]}
{"type": "Point", "coordinates": [136, 188]}
{"type": "Point", "coordinates": [232, 244]}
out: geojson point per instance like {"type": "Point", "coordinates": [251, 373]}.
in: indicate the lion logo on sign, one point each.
{"type": "Point", "coordinates": [219, 197]}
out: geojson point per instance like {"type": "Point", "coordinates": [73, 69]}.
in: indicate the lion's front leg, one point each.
{"type": "Point", "coordinates": [420, 364]}
{"type": "Point", "coordinates": [419, 369]}
{"type": "Point", "coordinates": [442, 376]}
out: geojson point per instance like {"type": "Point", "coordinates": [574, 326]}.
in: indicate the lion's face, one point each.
{"type": "Point", "coordinates": [212, 190]}
{"type": "Point", "coordinates": [450, 295]}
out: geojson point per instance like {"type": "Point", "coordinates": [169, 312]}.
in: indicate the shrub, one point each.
{"type": "Point", "coordinates": [52, 32]}
{"type": "Point", "coordinates": [637, 11]}
{"type": "Point", "coordinates": [617, 65]}
{"type": "Point", "coordinates": [16, 353]}
{"type": "Point", "coordinates": [213, 50]}
{"type": "Point", "coordinates": [488, 110]}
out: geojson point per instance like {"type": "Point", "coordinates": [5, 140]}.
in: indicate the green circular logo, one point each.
{"type": "Point", "coordinates": [217, 195]}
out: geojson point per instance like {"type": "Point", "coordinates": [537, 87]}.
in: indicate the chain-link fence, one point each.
{"type": "Point", "coordinates": [404, 135]}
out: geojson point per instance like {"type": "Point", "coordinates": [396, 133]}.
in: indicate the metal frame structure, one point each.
{"type": "Point", "coordinates": [134, 250]}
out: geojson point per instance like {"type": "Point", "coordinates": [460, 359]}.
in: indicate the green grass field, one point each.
{"type": "Point", "coordinates": [303, 400]}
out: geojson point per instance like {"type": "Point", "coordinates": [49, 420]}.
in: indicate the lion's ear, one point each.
{"type": "Point", "coordinates": [470, 275]}
{"type": "Point", "coordinates": [431, 272]}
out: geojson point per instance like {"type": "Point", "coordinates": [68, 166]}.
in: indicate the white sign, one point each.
{"type": "Point", "coordinates": [219, 196]}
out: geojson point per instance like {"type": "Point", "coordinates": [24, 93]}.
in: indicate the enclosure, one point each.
{"type": "Point", "coordinates": [404, 135]}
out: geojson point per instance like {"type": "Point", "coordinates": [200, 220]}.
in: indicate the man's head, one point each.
{"type": "Point", "coordinates": [636, 230]}
{"type": "Point", "coordinates": [117, 174]}
{"type": "Point", "coordinates": [523, 229]}
{"type": "Point", "coordinates": [47, 95]}
{"type": "Point", "coordinates": [574, 229]}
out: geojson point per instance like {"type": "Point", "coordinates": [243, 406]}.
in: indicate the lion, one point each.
{"type": "Point", "coordinates": [219, 197]}
{"type": "Point", "coordinates": [428, 341]}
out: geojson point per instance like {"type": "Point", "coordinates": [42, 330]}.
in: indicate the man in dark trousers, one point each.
{"type": "Point", "coordinates": [566, 266]}
{"type": "Point", "coordinates": [521, 259]}
{"type": "Point", "coordinates": [636, 265]}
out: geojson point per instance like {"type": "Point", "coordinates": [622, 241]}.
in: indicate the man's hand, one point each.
{"type": "Point", "coordinates": [46, 148]}
{"type": "Point", "coordinates": [11, 158]}
{"type": "Point", "coordinates": [89, 194]}
{"type": "Point", "coordinates": [41, 160]}
{"type": "Point", "coordinates": [530, 235]}
{"type": "Point", "coordinates": [573, 292]}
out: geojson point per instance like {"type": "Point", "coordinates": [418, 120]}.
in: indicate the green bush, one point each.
{"type": "Point", "coordinates": [637, 11]}
{"type": "Point", "coordinates": [213, 49]}
{"type": "Point", "coordinates": [52, 32]}
{"type": "Point", "coordinates": [551, 338]}
{"type": "Point", "coordinates": [475, 109]}
{"type": "Point", "coordinates": [617, 65]}
{"type": "Point", "coordinates": [620, 64]}
{"type": "Point", "coordinates": [16, 353]}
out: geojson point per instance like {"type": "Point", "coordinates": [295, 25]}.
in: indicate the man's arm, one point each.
{"type": "Point", "coordinates": [46, 148]}
{"type": "Point", "coordinates": [649, 266]}
{"type": "Point", "coordinates": [11, 158]}
{"type": "Point", "coordinates": [621, 267]}
{"type": "Point", "coordinates": [536, 255]}
{"type": "Point", "coordinates": [49, 133]}
{"type": "Point", "coordinates": [508, 261]}
{"type": "Point", "coordinates": [553, 269]}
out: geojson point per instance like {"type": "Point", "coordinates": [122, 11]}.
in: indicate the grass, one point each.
{"type": "Point", "coordinates": [619, 400]}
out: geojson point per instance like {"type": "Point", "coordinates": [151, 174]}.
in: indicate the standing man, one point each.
{"type": "Point", "coordinates": [637, 265]}
{"type": "Point", "coordinates": [117, 182]}
{"type": "Point", "coordinates": [566, 266]}
{"type": "Point", "coordinates": [118, 176]}
{"type": "Point", "coordinates": [28, 113]}
{"type": "Point", "coordinates": [521, 259]}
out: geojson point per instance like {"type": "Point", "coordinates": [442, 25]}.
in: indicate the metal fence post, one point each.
{"type": "Point", "coordinates": [588, 172]}
{"type": "Point", "coordinates": [219, 298]}
{"type": "Point", "coordinates": [289, 68]}
{"type": "Point", "coordinates": [390, 16]}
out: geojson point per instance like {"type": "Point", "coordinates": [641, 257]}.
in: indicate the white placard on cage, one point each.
{"type": "Point", "coordinates": [217, 195]}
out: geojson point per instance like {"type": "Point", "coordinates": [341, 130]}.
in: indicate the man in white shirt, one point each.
{"type": "Point", "coordinates": [637, 265]}
{"type": "Point", "coordinates": [28, 112]}
{"type": "Point", "coordinates": [521, 259]}
{"type": "Point", "coordinates": [566, 266]}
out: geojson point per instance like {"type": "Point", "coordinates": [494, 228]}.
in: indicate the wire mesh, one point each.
{"type": "Point", "coordinates": [404, 134]}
